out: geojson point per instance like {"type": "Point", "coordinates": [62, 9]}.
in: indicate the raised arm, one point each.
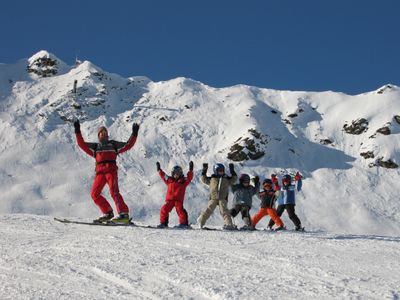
{"type": "Point", "coordinates": [256, 188]}
{"type": "Point", "coordinates": [123, 147]}
{"type": "Point", "coordinates": [233, 178]}
{"type": "Point", "coordinates": [162, 174]}
{"type": "Point", "coordinates": [204, 179]}
{"type": "Point", "coordinates": [189, 176]}
{"type": "Point", "coordinates": [299, 182]}
{"type": "Point", "coordinates": [88, 148]}
{"type": "Point", "coordinates": [276, 182]}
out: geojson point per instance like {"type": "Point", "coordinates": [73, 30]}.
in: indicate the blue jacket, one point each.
{"type": "Point", "coordinates": [287, 195]}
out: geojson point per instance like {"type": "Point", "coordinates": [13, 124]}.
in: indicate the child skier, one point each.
{"type": "Point", "coordinates": [219, 184]}
{"type": "Point", "coordinates": [176, 187]}
{"type": "Point", "coordinates": [105, 153]}
{"type": "Point", "coordinates": [287, 201]}
{"type": "Point", "coordinates": [242, 198]}
{"type": "Point", "coordinates": [268, 197]}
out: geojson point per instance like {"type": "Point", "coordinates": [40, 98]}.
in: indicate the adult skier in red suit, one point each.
{"type": "Point", "coordinates": [105, 153]}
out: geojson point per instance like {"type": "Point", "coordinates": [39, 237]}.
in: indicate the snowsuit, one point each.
{"type": "Point", "coordinates": [219, 191]}
{"type": "Point", "coordinates": [176, 189]}
{"type": "Point", "coordinates": [242, 200]}
{"type": "Point", "coordinates": [287, 201]}
{"type": "Point", "coordinates": [267, 198]}
{"type": "Point", "coordinates": [105, 155]}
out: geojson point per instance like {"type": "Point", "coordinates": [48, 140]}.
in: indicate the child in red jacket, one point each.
{"type": "Point", "coordinates": [177, 185]}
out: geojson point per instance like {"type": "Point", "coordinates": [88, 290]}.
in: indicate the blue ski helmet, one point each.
{"type": "Point", "coordinates": [177, 170]}
{"type": "Point", "coordinates": [287, 178]}
{"type": "Point", "coordinates": [217, 167]}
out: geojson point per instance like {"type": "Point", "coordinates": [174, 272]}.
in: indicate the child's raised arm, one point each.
{"type": "Point", "coordinates": [299, 181]}
{"type": "Point", "coordinates": [204, 179]}
{"type": "Point", "coordinates": [162, 174]}
{"type": "Point", "coordinates": [189, 175]}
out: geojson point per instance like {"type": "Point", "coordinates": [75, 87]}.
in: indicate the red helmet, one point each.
{"type": "Point", "coordinates": [287, 179]}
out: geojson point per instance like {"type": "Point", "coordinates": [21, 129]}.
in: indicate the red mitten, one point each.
{"type": "Point", "coordinates": [276, 182]}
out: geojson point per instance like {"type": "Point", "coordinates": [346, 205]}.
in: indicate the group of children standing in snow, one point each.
{"type": "Point", "coordinates": [106, 151]}
{"type": "Point", "coordinates": [219, 185]}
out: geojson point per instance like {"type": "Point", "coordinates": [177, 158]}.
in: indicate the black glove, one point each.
{"type": "Point", "coordinates": [77, 126]}
{"type": "Point", "coordinates": [232, 169]}
{"type": "Point", "coordinates": [256, 180]}
{"type": "Point", "coordinates": [135, 129]}
{"type": "Point", "coordinates": [191, 166]}
{"type": "Point", "coordinates": [205, 167]}
{"type": "Point", "coordinates": [158, 166]}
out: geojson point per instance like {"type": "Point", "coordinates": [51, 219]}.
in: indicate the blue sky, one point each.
{"type": "Point", "coordinates": [351, 46]}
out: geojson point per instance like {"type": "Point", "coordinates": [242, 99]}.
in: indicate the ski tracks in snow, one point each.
{"type": "Point", "coordinates": [47, 260]}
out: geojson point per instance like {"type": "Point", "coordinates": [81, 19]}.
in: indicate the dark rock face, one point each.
{"type": "Point", "coordinates": [292, 115]}
{"type": "Point", "coordinates": [248, 148]}
{"type": "Point", "coordinates": [357, 127]}
{"type": "Point", "coordinates": [43, 67]}
{"type": "Point", "coordinates": [388, 164]}
{"type": "Point", "coordinates": [368, 154]}
{"type": "Point", "coordinates": [385, 88]}
{"type": "Point", "coordinates": [326, 142]}
{"type": "Point", "coordinates": [287, 121]}
{"type": "Point", "coordinates": [384, 130]}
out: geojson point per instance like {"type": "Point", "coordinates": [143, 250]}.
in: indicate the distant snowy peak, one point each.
{"type": "Point", "coordinates": [45, 64]}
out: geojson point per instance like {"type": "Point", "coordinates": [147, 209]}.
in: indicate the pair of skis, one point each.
{"type": "Point", "coordinates": [112, 224]}
{"type": "Point", "coordinates": [132, 224]}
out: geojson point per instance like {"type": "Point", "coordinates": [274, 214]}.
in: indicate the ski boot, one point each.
{"type": "Point", "coordinates": [280, 228]}
{"type": "Point", "coordinates": [270, 228]}
{"type": "Point", "coordinates": [247, 228]}
{"type": "Point", "coordinates": [183, 226]}
{"type": "Point", "coordinates": [123, 218]}
{"type": "Point", "coordinates": [229, 227]}
{"type": "Point", "coordinates": [162, 225]}
{"type": "Point", "coordinates": [104, 218]}
{"type": "Point", "coordinates": [299, 228]}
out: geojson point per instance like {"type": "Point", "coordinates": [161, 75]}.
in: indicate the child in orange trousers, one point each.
{"type": "Point", "coordinates": [267, 197]}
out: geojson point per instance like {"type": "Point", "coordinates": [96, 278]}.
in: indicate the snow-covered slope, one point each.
{"type": "Point", "coordinates": [42, 171]}
{"type": "Point", "coordinates": [41, 259]}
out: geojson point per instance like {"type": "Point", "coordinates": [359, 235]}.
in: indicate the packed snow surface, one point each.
{"type": "Point", "coordinates": [42, 259]}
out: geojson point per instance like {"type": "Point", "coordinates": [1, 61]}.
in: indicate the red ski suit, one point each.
{"type": "Point", "coordinates": [106, 170]}
{"type": "Point", "coordinates": [175, 197]}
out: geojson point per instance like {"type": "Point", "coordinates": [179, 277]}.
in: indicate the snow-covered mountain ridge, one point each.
{"type": "Point", "coordinates": [346, 146]}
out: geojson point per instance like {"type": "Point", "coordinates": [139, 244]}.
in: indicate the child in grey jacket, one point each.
{"type": "Point", "coordinates": [243, 198]}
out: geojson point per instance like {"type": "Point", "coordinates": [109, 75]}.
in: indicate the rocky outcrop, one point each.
{"type": "Point", "coordinates": [384, 130]}
{"type": "Point", "coordinates": [325, 141]}
{"type": "Point", "coordinates": [388, 164]}
{"type": "Point", "coordinates": [368, 154]}
{"type": "Point", "coordinates": [384, 89]}
{"type": "Point", "coordinates": [357, 126]}
{"type": "Point", "coordinates": [249, 148]}
{"type": "Point", "coordinates": [43, 66]}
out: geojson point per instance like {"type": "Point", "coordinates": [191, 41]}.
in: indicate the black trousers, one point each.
{"type": "Point", "coordinates": [244, 210]}
{"type": "Point", "coordinates": [291, 212]}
